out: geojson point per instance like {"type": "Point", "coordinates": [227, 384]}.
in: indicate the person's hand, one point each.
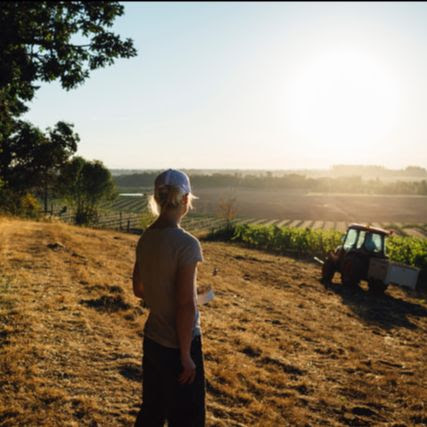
{"type": "Point", "coordinates": [188, 370]}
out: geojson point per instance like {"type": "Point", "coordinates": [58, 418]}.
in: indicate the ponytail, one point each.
{"type": "Point", "coordinates": [168, 197]}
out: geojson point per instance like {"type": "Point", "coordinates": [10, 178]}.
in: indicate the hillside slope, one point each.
{"type": "Point", "coordinates": [280, 348]}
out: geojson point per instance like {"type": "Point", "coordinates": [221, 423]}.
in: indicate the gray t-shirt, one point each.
{"type": "Point", "coordinates": [159, 253]}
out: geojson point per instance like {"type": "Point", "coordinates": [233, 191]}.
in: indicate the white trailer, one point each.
{"type": "Point", "coordinates": [388, 272]}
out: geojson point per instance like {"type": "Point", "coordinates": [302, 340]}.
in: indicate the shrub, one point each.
{"type": "Point", "coordinates": [300, 241]}
{"type": "Point", "coordinates": [25, 205]}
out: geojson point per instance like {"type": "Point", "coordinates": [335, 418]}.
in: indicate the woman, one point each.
{"type": "Point", "coordinates": [165, 277]}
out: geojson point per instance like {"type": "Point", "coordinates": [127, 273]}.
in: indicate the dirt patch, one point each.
{"type": "Point", "coordinates": [107, 303]}
{"type": "Point", "coordinates": [302, 205]}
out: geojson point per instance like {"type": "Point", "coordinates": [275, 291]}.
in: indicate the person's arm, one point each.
{"type": "Point", "coordinates": [138, 286]}
{"type": "Point", "coordinates": [185, 316]}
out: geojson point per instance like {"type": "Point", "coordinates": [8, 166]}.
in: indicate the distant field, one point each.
{"type": "Point", "coordinates": [298, 205]}
{"type": "Point", "coordinates": [407, 215]}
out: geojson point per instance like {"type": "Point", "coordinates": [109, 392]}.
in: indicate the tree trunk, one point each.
{"type": "Point", "coordinates": [45, 196]}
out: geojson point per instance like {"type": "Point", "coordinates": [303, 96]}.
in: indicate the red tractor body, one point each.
{"type": "Point", "coordinates": [351, 259]}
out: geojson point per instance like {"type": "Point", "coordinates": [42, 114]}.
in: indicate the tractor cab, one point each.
{"type": "Point", "coordinates": [367, 240]}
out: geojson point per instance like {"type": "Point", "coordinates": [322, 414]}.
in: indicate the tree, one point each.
{"type": "Point", "coordinates": [86, 184]}
{"type": "Point", "coordinates": [45, 41]}
{"type": "Point", "coordinates": [32, 159]}
{"type": "Point", "coordinates": [227, 209]}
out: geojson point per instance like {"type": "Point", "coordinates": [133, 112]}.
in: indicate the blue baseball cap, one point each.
{"type": "Point", "coordinates": [173, 177]}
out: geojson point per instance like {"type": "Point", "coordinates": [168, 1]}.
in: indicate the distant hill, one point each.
{"type": "Point", "coordinates": [366, 171]}
{"type": "Point", "coordinates": [294, 181]}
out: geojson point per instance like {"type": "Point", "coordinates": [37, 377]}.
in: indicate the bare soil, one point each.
{"type": "Point", "coordinates": [281, 204]}
{"type": "Point", "coordinates": [280, 348]}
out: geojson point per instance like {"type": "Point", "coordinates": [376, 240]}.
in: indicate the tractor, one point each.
{"type": "Point", "coordinates": [361, 244]}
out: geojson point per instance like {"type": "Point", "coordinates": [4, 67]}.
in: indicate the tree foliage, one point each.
{"type": "Point", "coordinates": [25, 205]}
{"type": "Point", "coordinates": [291, 181]}
{"type": "Point", "coordinates": [86, 184]}
{"type": "Point", "coordinates": [42, 42]}
{"type": "Point", "coordinates": [32, 159]}
{"type": "Point", "coordinates": [46, 41]}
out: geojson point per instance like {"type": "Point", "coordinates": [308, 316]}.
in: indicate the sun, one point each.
{"type": "Point", "coordinates": [339, 100]}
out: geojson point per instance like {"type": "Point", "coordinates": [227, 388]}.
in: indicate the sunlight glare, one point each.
{"type": "Point", "coordinates": [342, 99]}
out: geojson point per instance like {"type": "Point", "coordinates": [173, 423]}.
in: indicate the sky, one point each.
{"type": "Point", "coordinates": [256, 85]}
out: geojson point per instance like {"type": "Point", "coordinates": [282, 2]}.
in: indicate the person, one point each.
{"type": "Point", "coordinates": [164, 276]}
{"type": "Point", "coordinates": [370, 244]}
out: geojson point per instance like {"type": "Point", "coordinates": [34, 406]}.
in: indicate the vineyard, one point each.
{"type": "Point", "coordinates": [304, 238]}
{"type": "Point", "coordinates": [309, 242]}
{"type": "Point", "coordinates": [125, 214]}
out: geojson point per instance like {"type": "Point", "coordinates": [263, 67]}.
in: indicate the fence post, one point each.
{"type": "Point", "coordinates": [128, 227]}
{"type": "Point", "coordinates": [120, 220]}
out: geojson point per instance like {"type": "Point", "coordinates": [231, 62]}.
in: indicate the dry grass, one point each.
{"type": "Point", "coordinates": [280, 349]}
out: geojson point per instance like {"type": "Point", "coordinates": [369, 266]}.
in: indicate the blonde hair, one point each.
{"type": "Point", "coordinates": [168, 197]}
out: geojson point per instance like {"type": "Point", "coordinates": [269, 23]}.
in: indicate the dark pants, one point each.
{"type": "Point", "coordinates": [164, 398]}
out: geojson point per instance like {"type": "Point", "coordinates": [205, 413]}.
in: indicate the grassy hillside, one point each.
{"type": "Point", "coordinates": [280, 348]}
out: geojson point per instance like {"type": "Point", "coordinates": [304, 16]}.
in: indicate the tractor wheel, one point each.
{"type": "Point", "coordinates": [376, 286]}
{"type": "Point", "coordinates": [328, 271]}
{"type": "Point", "coordinates": [351, 271]}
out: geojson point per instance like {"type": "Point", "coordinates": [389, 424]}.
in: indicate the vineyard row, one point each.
{"type": "Point", "coordinates": [130, 208]}
{"type": "Point", "coordinates": [204, 223]}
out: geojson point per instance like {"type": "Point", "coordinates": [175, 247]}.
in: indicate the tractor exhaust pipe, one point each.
{"type": "Point", "coordinates": [319, 260]}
